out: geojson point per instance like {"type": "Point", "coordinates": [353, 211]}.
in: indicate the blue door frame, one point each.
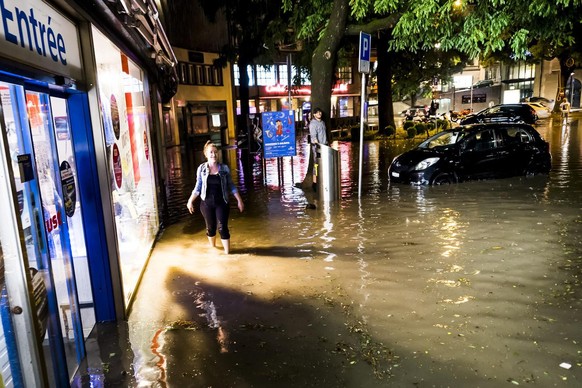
{"type": "Point", "coordinates": [94, 225]}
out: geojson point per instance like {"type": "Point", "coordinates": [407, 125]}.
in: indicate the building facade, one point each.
{"type": "Point", "coordinates": [509, 84]}
{"type": "Point", "coordinates": [81, 90]}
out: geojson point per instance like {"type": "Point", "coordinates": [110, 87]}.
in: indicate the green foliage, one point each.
{"type": "Point", "coordinates": [411, 132]}
{"type": "Point", "coordinates": [462, 29]}
{"type": "Point", "coordinates": [408, 124]}
{"type": "Point", "coordinates": [389, 130]}
{"type": "Point", "coordinates": [370, 134]}
{"type": "Point", "coordinates": [420, 128]}
{"type": "Point", "coordinates": [443, 124]}
{"type": "Point", "coordinates": [413, 72]}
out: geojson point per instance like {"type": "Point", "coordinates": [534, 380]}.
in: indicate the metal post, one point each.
{"type": "Point", "coordinates": [362, 99]}
{"type": "Point", "coordinates": [571, 89]}
{"type": "Point", "coordinates": [289, 80]}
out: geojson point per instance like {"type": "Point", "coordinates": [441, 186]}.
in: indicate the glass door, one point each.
{"type": "Point", "coordinates": [45, 179]}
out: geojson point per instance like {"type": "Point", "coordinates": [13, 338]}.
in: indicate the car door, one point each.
{"type": "Point", "coordinates": [519, 148]}
{"type": "Point", "coordinates": [480, 156]}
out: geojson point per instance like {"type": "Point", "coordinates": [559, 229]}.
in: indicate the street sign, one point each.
{"type": "Point", "coordinates": [365, 48]}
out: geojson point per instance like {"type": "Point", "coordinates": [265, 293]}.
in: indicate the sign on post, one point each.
{"type": "Point", "coordinates": [365, 48]}
{"type": "Point", "coordinates": [363, 68]}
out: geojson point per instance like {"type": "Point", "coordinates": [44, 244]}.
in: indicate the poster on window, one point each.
{"type": "Point", "coordinates": [279, 134]}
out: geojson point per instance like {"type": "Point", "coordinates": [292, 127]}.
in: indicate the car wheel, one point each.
{"type": "Point", "coordinates": [443, 178]}
{"type": "Point", "coordinates": [536, 168]}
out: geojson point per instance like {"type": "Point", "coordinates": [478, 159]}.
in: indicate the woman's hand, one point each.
{"type": "Point", "coordinates": [190, 203]}
{"type": "Point", "coordinates": [240, 205]}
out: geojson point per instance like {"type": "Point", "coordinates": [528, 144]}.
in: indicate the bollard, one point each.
{"type": "Point", "coordinates": [328, 173]}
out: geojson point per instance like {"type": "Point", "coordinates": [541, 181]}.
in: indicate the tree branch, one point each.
{"type": "Point", "coordinates": [374, 26]}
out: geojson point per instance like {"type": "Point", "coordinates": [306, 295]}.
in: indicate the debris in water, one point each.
{"type": "Point", "coordinates": [565, 365]}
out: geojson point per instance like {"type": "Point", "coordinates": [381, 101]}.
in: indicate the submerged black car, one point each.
{"type": "Point", "coordinates": [503, 113]}
{"type": "Point", "coordinates": [482, 151]}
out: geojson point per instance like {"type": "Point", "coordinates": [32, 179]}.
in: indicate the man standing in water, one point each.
{"type": "Point", "coordinates": [318, 135]}
{"type": "Point", "coordinates": [565, 109]}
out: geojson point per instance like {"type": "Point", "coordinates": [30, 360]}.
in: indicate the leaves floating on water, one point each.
{"type": "Point", "coordinates": [182, 324]}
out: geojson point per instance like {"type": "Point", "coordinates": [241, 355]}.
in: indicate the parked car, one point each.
{"type": "Point", "coordinates": [481, 151]}
{"type": "Point", "coordinates": [503, 113]}
{"type": "Point", "coordinates": [542, 100]}
{"type": "Point", "coordinates": [415, 111]}
{"type": "Point", "coordinates": [483, 83]}
{"type": "Point", "coordinates": [543, 112]}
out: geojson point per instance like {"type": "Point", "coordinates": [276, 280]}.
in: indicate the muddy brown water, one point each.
{"type": "Point", "coordinates": [469, 285]}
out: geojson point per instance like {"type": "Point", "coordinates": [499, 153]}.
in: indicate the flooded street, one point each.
{"type": "Point", "coordinates": [470, 285]}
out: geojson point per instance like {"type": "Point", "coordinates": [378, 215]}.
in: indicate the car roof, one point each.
{"type": "Point", "coordinates": [540, 99]}
{"type": "Point", "coordinates": [481, 126]}
{"type": "Point", "coordinates": [536, 104]}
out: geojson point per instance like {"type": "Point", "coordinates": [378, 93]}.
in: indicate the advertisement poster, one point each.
{"type": "Point", "coordinates": [117, 167]}
{"type": "Point", "coordinates": [279, 134]}
{"type": "Point", "coordinates": [69, 190]}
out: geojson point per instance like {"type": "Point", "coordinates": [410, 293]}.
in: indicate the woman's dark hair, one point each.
{"type": "Point", "coordinates": [316, 110]}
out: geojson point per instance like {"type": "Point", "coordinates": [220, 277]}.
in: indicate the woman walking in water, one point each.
{"type": "Point", "coordinates": [214, 185]}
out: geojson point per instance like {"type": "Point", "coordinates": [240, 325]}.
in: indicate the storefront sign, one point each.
{"type": "Point", "coordinates": [283, 91]}
{"type": "Point", "coordinates": [53, 222]}
{"type": "Point", "coordinates": [69, 189]}
{"type": "Point", "coordinates": [35, 33]}
{"type": "Point", "coordinates": [279, 134]}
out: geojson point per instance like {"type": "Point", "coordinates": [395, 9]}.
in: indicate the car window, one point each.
{"type": "Point", "coordinates": [482, 141]}
{"type": "Point", "coordinates": [517, 135]}
{"type": "Point", "coordinates": [442, 139]}
{"type": "Point", "coordinates": [492, 110]}
{"type": "Point", "coordinates": [511, 108]}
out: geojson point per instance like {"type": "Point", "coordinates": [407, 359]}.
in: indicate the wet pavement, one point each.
{"type": "Point", "coordinates": [469, 285]}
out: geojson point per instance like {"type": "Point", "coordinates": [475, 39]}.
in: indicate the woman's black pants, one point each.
{"type": "Point", "coordinates": [215, 212]}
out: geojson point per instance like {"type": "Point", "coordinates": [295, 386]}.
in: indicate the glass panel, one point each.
{"type": "Point", "coordinates": [54, 214]}
{"type": "Point", "coordinates": [17, 116]}
{"type": "Point", "coordinates": [73, 212]}
{"type": "Point", "coordinates": [127, 136]}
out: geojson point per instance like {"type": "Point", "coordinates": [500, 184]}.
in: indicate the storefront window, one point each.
{"type": "Point", "coordinates": [127, 137]}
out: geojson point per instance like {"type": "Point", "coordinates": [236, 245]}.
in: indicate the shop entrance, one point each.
{"type": "Point", "coordinates": [39, 135]}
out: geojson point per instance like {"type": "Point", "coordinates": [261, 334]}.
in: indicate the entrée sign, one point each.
{"type": "Point", "coordinates": [36, 33]}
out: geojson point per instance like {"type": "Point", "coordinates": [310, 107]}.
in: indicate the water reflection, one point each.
{"type": "Point", "coordinates": [469, 283]}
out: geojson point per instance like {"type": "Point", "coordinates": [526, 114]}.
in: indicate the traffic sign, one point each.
{"type": "Point", "coordinates": [365, 48]}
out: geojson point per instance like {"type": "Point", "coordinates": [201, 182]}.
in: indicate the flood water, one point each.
{"type": "Point", "coordinates": [470, 285]}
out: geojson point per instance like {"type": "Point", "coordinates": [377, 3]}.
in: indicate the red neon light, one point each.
{"type": "Point", "coordinates": [279, 89]}
{"type": "Point", "coordinates": [275, 89]}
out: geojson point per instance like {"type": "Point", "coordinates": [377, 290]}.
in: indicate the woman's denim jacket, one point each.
{"type": "Point", "coordinates": [225, 181]}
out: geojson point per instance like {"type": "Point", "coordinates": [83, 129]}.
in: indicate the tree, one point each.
{"type": "Point", "coordinates": [254, 27]}
{"type": "Point", "coordinates": [538, 29]}
{"type": "Point", "coordinates": [324, 55]}
{"type": "Point", "coordinates": [476, 28]}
